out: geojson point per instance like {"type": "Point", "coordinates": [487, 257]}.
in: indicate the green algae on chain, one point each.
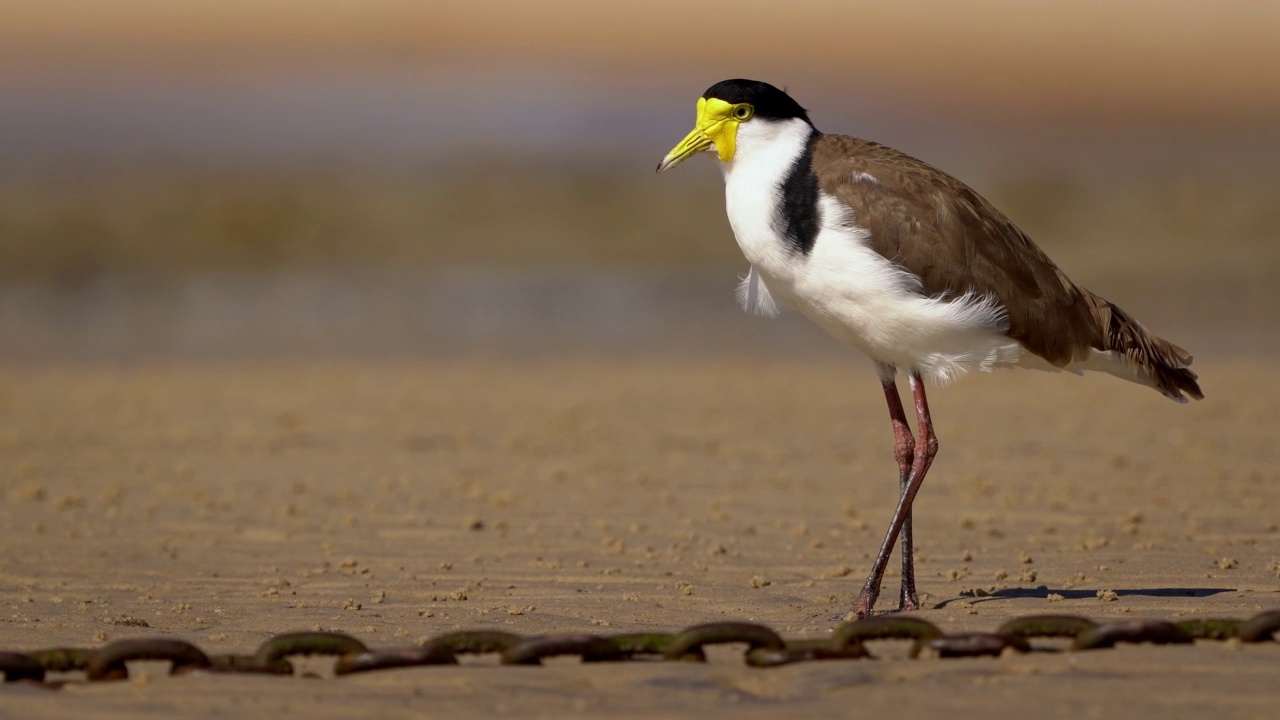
{"type": "Point", "coordinates": [1211, 628]}
{"type": "Point", "coordinates": [63, 659]}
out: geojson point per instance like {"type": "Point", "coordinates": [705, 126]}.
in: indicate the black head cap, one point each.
{"type": "Point", "coordinates": [769, 101]}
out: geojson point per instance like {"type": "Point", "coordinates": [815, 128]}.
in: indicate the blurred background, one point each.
{"type": "Point", "coordinates": [256, 178]}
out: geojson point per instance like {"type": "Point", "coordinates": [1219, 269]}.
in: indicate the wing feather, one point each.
{"type": "Point", "coordinates": [754, 297]}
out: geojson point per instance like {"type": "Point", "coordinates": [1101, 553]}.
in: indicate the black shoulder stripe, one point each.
{"type": "Point", "coordinates": [798, 211]}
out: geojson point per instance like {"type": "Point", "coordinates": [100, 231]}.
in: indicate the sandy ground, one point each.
{"type": "Point", "coordinates": [223, 504]}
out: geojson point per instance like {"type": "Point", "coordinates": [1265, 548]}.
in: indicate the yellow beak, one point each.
{"type": "Point", "coordinates": [715, 128]}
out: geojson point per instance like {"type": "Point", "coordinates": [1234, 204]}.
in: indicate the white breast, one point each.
{"type": "Point", "coordinates": [843, 285]}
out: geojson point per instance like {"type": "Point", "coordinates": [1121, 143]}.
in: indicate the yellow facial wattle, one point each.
{"type": "Point", "coordinates": [717, 125]}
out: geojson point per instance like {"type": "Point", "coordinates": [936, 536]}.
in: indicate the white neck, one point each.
{"type": "Point", "coordinates": [765, 153]}
{"type": "Point", "coordinates": [767, 148]}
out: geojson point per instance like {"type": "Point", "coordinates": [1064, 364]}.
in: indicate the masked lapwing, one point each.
{"type": "Point", "coordinates": [908, 265]}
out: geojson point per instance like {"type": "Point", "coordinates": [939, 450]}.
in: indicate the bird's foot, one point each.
{"type": "Point", "coordinates": [908, 601]}
{"type": "Point", "coordinates": [866, 601]}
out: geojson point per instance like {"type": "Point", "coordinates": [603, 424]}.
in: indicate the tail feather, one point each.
{"type": "Point", "coordinates": [1167, 365]}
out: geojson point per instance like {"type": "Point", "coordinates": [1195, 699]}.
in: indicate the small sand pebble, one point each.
{"type": "Point", "coordinates": [1001, 575]}
{"type": "Point", "coordinates": [1028, 575]}
{"type": "Point", "coordinates": [1228, 563]}
{"type": "Point", "coordinates": [1055, 597]}
{"type": "Point", "coordinates": [31, 493]}
{"type": "Point", "coordinates": [1108, 595]}
{"type": "Point", "coordinates": [1024, 558]}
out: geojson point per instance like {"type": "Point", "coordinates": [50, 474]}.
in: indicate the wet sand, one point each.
{"type": "Point", "coordinates": [223, 503]}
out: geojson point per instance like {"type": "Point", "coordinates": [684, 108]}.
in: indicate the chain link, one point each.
{"type": "Point", "coordinates": [765, 647]}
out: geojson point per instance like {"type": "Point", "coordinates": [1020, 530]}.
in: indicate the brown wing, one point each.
{"type": "Point", "coordinates": [939, 229]}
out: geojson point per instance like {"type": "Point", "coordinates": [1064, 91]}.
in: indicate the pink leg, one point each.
{"type": "Point", "coordinates": [927, 447]}
{"type": "Point", "coordinates": [904, 448]}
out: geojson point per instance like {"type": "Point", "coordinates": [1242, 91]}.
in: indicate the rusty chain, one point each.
{"type": "Point", "coordinates": [765, 648]}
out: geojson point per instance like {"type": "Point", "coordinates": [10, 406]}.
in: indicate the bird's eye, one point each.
{"type": "Point", "coordinates": [743, 112]}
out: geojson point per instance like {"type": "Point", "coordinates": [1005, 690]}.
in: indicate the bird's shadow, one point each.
{"type": "Point", "coordinates": [1042, 592]}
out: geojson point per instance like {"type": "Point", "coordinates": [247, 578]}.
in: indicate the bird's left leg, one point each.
{"type": "Point", "coordinates": [925, 450]}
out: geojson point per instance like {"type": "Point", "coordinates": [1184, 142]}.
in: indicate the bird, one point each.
{"type": "Point", "coordinates": [908, 265]}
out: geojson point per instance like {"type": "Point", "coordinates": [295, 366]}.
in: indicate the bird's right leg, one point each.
{"type": "Point", "coordinates": [904, 449]}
